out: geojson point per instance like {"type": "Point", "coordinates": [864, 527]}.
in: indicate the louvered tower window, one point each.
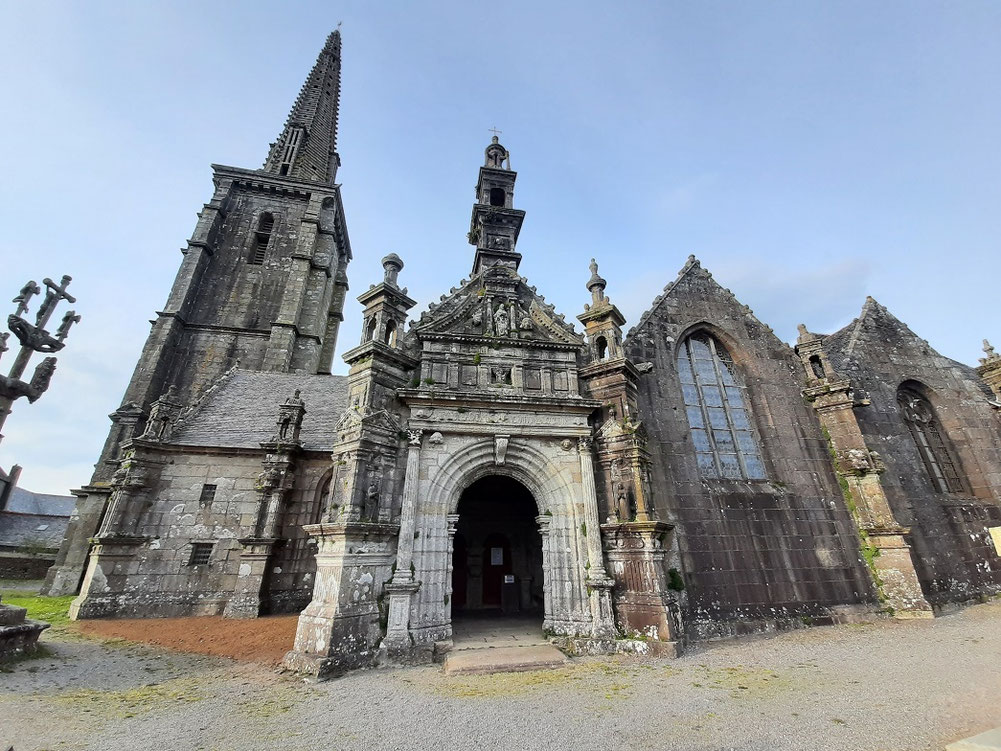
{"type": "Point", "coordinates": [718, 414]}
{"type": "Point", "coordinates": [291, 147]}
{"type": "Point", "coordinates": [942, 468]}
{"type": "Point", "coordinates": [262, 237]}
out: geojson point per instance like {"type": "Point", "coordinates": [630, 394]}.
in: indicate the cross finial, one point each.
{"type": "Point", "coordinates": [495, 132]}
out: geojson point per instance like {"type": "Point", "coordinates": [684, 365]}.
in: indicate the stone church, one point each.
{"type": "Point", "coordinates": [693, 478]}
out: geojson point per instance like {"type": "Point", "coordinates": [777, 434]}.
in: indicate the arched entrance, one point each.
{"type": "Point", "coordinates": [497, 566]}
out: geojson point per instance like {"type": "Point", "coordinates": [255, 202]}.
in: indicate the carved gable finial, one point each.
{"type": "Point", "coordinates": [392, 265]}
{"type": "Point", "coordinates": [596, 285]}
{"type": "Point", "coordinates": [992, 356]}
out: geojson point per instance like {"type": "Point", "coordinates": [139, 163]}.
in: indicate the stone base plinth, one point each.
{"type": "Point", "coordinates": [895, 568]}
{"type": "Point", "coordinates": [246, 599]}
{"type": "Point", "coordinates": [644, 606]}
{"type": "Point", "coordinates": [340, 629]}
{"type": "Point", "coordinates": [104, 590]}
{"type": "Point", "coordinates": [576, 646]}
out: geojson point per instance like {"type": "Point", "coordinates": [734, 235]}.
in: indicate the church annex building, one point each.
{"type": "Point", "coordinates": [692, 478]}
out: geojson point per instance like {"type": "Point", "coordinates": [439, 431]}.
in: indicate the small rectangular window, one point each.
{"type": "Point", "coordinates": [207, 496]}
{"type": "Point", "coordinates": [201, 552]}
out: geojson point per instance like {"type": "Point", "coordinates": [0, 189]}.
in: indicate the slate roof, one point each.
{"type": "Point", "coordinates": [241, 410]}
{"type": "Point", "coordinates": [21, 529]}
{"type": "Point", "coordinates": [23, 501]}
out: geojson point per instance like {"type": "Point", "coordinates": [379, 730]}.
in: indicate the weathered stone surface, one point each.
{"type": "Point", "coordinates": [18, 635]}
{"type": "Point", "coordinates": [503, 660]}
{"type": "Point", "coordinates": [696, 478]}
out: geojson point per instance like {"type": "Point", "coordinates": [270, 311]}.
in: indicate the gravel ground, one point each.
{"type": "Point", "coordinates": [887, 685]}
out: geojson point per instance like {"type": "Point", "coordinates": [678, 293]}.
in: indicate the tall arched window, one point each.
{"type": "Point", "coordinates": [717, 411]}
{"type": "Point", "coordinates": [920, 418]}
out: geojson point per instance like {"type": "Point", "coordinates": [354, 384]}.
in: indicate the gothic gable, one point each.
{"type": "Point", "coordinates": [497, 303]}
{"type": "Point", "coordinates": [692, 299]}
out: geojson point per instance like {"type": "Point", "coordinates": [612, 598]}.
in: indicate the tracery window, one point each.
{"type": "Point", "coordinates": [718, 414]}
{"type": "Point", "coordinates": [920, 418]}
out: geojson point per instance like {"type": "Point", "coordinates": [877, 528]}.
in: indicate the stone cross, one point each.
{"type": "Point", "coordinates": [33, 339]}
{"type": "Point", "coordinates": [53, 295]}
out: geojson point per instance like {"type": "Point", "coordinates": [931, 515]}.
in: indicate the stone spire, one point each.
{"type": "Point", "coordinates": [306, 149]}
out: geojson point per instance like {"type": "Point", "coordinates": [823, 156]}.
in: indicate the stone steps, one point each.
{"type": "Point", "coordinates": [989, 741]}
{"type": "Point", "coordinates": [504, 660]}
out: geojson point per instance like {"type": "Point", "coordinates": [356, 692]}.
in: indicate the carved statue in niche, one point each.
{"type": "Point", "coordinates": [373, 491]}
{"type": "Point", "coordinates": [501, 321]}
{"type": "Point", "coordinates": [618, 488]}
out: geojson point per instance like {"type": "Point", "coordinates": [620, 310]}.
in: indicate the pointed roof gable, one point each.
{"type": "Point", "coordinates": [693, 270]}
{"type": "Point", "coordinates": [874, 320]}
{"type": "Point", "coordinates": [462, 312]}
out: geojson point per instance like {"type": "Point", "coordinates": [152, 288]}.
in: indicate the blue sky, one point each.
{"type": "Point", "coordinates": [808, 153]}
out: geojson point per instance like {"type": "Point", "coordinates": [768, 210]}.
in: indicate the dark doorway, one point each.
{"type": "Point", "coordinates": [497, 553]}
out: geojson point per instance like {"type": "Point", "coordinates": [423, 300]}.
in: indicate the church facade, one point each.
{"type": "Point", "coordinates": [690, 479]}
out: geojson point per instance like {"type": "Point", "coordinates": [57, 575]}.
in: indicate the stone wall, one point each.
{"type": "Point", "coordinates": [158, 578]}
{"type": "Point", "coordinates": [954, 556]}
{"type": "Point", "coordinates": [754, 553]}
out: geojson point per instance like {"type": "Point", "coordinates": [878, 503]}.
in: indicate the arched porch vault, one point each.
{"type": "Point", "coordinates": [559, 475]}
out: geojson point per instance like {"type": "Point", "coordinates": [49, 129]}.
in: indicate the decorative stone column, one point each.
{"type": "Point", "coordinates": [599, 583]}
{"type": "Point", "coordinates": [883, 541]}
{"type": "Point", "coordinates": [403, 586]}
{"type": "Point", "coordinates": [547, 585]}
{"type": "Point", "coordinates": [103, 591]}
{"type": "Point", "coordinates": [990, 371]}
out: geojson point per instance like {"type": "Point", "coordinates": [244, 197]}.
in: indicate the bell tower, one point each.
{"type": "Point", "coordinates": [495, 224]}
{"type": "Point", "coordinates": [261, 286]}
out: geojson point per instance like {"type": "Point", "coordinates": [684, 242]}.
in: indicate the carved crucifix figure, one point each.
{"type": "Point", "coordinates": [53, 294]}
{"type": "Point", "coordinates": [69, 319]}
{"type": "Point", "coordinates": [28, 291]}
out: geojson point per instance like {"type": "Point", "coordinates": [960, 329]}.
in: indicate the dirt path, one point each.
{"type": "Point", "coordinates": [261, 640]}
{"type": "Point", "coordinates": [888, 686]}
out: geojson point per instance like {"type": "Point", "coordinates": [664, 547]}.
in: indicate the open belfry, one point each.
{"type": "Point", "coordinates": [692, 478]}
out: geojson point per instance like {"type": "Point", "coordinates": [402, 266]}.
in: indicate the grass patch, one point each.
{"type": "Point", "coordinates": [133, 701]}
{"type": "Point", "coordinates": [54, 610]}
{"type": "Point", "coordinates": [741, 681]}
